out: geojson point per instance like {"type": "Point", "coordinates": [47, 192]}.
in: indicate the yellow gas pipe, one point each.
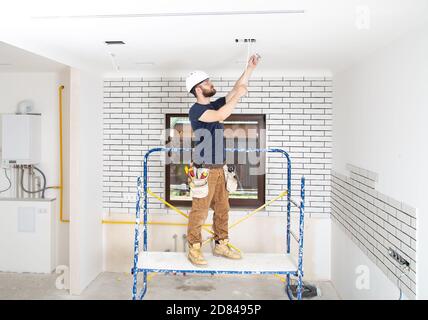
{"type": "Point", "coordinates": [161, 223]}
{"type": "Point", "coordinates": [61, 187]}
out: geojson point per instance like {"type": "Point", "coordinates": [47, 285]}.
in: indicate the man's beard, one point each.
{"type": "Point", "coordinates": [208, 93]}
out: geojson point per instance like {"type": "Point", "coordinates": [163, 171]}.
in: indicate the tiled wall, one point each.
{"type": "Point", "coordinates": [376, 222]}
{"type": "Point", "coordinates": [298, 119]}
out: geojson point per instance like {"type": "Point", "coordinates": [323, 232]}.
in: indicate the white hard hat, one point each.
{"type": "Point", "coordinates": [194, 78]}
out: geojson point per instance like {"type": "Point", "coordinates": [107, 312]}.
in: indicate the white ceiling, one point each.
{"type": "Point", "coordinates": [13, 59]}
{"type": "Point", "coordinates": [325, 38]}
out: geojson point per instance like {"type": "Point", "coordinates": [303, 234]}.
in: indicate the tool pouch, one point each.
{"type": "Point", "coordinates": [199, 187]}
{"type": "Point", "coordinates": [230, 177]}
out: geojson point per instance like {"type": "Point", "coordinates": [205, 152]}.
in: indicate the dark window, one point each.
{"type": "Point", "coordinates": [251, 187]}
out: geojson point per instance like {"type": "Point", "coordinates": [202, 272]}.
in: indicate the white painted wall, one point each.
{"type": "Point", "coordinates": [379, 123]}
{"type": "Point", "coordinates": [85, 179]}
{"type": "Point", "coordinates": [42, 88]}
{"type": "Point", "coordinates": [349, 270]}
{"type": "Point", "coordinates": [262, 233]}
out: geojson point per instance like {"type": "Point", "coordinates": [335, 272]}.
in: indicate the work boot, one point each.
{"type": "Point", "coordinates": [195, 255]}
{"type": "Point", "coordinates": [222, 249]}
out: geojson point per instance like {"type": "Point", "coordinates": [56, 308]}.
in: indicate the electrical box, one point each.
{"type": "Point", "coordinates": [21, 138]}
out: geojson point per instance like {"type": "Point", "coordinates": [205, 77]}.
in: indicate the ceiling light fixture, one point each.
{"type": "Point", "coordinates": [174, 14]}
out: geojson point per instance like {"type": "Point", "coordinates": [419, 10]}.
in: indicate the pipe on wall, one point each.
{"type": "Point", "coordinates": [61, 171]}
{"type": "Point", "coordinates": [159, 223]}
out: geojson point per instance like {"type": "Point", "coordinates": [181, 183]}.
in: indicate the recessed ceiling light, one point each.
{"type": "Point", "coordinates": [112, 42]}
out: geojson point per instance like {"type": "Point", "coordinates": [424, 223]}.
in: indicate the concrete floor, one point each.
{"type": "Point", "coordinates": [118, 286]}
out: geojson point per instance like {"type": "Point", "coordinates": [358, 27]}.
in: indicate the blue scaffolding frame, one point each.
{"type": "Point", "coordinates": [143, 189]}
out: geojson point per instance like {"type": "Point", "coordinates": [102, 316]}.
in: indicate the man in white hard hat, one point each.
{"type": "Point", "coordinates": [206, 117]}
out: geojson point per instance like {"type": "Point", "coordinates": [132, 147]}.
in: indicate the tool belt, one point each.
{"type": "Point", "coordinates": [198, 181]}
{"type": "Point", "coordinates": [230, 177]}
{"type": "Point", "coordinates": [197, 177]}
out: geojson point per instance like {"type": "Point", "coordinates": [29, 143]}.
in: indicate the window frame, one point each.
{"type": "Point", "coordinates": [234, 203]}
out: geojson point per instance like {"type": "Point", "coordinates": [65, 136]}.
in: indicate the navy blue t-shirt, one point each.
{"type": "Point", "coordinates": [216, 130]}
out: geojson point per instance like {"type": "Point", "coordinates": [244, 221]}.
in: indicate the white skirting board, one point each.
{"type": "Point", "coordinates": [250, 262]}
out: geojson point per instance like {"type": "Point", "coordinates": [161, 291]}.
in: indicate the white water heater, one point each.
{"type": "Point", "coordinates": [21, 139]}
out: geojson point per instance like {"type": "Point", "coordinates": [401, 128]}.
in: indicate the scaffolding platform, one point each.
{"type": "Point", "coordinates": [146, 261]}
{"type": "Point", "coordinates": [251, 263]}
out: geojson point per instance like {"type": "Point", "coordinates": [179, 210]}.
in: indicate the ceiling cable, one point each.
{"type": "Point", "coordinates": [113, 61]}
{"type": "Point", "coordinates": [248, 54]}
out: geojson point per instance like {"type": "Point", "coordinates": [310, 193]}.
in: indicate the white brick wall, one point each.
{"type": "Point", "coordinates": [376, 222]}
{"type": "Point", "coordinates": [298, 119]}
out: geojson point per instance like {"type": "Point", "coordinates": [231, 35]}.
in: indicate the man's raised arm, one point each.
{"type": "Point", "coordinates": [225, 111]}
{"type": "Point", "coordinates": [243, 80]}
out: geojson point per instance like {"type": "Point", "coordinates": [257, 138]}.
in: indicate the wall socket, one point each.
{"type": "Point", "coordinates": [130, 198]}
{"type": "Point", "coordinates": [397, 257]}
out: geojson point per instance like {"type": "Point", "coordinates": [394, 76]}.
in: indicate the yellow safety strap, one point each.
{"type": "Point", "coordinates": [282, 194]}
{"type": "Point", "coordinates": [183, 214]}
